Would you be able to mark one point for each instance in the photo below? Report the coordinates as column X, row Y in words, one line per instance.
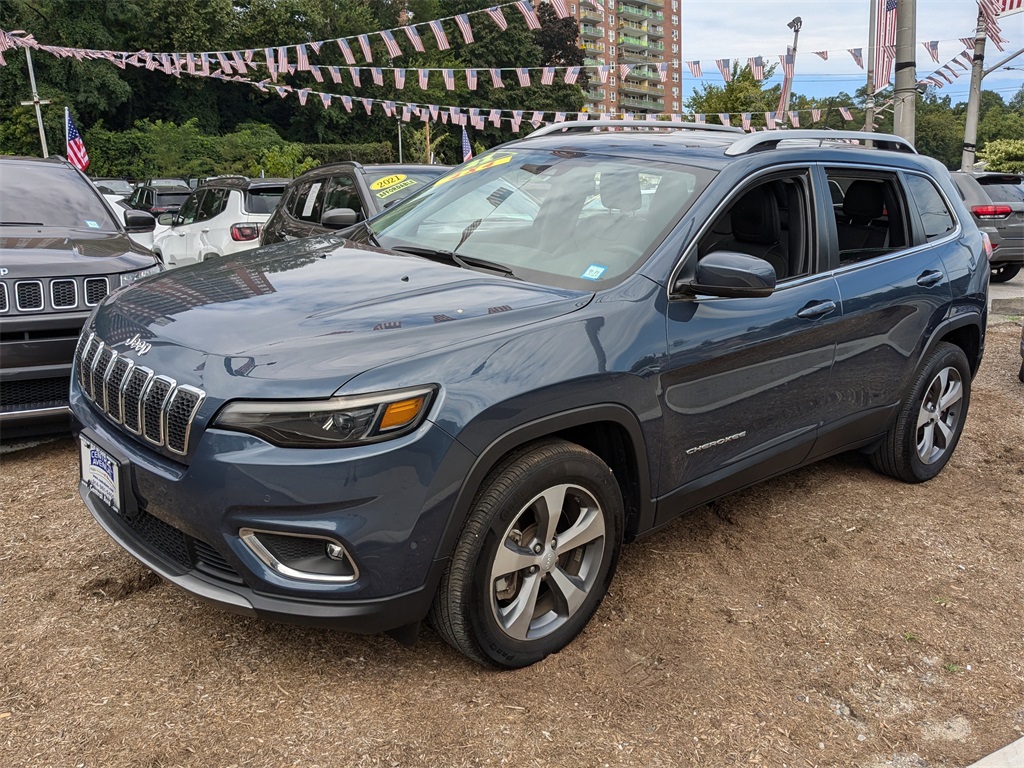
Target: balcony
column 642, row 89
column 647, row 56
column 651, row 3
column 592, row 14
column 594, row 47
column 644, row 105
column 646, row 73
column 653, row 30
column 592, row 33
column 595, row 95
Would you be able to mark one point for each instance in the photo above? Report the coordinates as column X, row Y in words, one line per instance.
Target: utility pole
column 35, row 96
column 974, row 97
column 905, row 93
column 795, row 25
column 869, row 104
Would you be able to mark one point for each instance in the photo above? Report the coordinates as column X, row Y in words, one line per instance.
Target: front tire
column 931, row 419
column 535, row 558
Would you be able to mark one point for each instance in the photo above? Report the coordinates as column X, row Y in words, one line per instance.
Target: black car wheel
column 535, row 557
column 930, row 420
column 1005, row 271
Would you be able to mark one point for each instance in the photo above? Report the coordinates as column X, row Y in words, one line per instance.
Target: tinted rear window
column 1003, row 189
column 263, row 200
column 50, row 196
column 171, row 198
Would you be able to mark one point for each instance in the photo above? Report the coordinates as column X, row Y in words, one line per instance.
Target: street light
column 795, row 25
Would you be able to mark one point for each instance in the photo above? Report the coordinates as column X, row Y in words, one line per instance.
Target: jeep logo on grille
column 140, row 346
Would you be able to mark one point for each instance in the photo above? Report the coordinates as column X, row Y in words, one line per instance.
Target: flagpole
column 869, row 105
column 35, row 95
column 66, row 137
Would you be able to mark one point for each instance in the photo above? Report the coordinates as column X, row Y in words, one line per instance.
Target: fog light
column 335, row 551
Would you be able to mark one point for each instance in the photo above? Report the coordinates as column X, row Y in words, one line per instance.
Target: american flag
column 378, row 75
column 698, row 118
column 663, row 71
column 788, row 61
column 823, row 55
column 326, row 99
column 845, row 112
column 77, row 155
column 529, row 15
column 571, row 74
column 467, row 151
column 524, row 76
column 498, row 18
column 603, row 71
column 389, row 42
column 769, row 118
column 462, row 21
column 364, row 43
column 962, row 65
column 315, row 45
column 317, row 74
column 496, row 78
column 303, row 94
column 346, row 51
column 932, row 46
column 440, row 36
column 560, row 9
column 225, row 65
column 399, row 78
column 725, row 67
column 271, row 63
column 756, row 67
column 1009, row 6
column 794, row 118
column 548, row 76
column 424, row 77
column 303, row 58
column 335, row 73
column 354, row 72
column 695, row 68
column 471, row 79
column 815, row 115
column 858, row 56
column 885, row 35
column 414, row 37
column 625, row 69
column 745, row 119
column 495, row 117
column 449, row 78
column 724, row 118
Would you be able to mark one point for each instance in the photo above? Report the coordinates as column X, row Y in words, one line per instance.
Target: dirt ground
column 832, row 617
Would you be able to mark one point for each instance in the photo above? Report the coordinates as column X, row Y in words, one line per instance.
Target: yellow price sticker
column 478, row 164
column 387, row 181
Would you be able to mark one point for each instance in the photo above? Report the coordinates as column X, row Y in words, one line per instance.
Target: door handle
column 180, row 234
column 930, row 278
column 204, row 231
column 817, row 309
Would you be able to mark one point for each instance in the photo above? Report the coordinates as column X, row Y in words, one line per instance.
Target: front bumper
column 387, row 504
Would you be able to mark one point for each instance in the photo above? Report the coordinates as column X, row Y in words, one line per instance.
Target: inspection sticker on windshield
column 92, row 224
column 389, row 185
column 594, row 272
column 101, row 473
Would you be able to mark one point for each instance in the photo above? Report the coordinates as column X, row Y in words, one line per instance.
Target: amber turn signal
column 401, row 413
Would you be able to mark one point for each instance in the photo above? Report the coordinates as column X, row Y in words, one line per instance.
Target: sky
column 744, row 28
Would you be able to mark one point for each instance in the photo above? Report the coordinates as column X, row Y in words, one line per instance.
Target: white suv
column 220, row 218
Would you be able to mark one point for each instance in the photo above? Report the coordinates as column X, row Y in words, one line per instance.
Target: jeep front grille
column 156, row 408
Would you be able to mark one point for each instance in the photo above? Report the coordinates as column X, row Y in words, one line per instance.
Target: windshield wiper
column 456, row 258
column 21, row 224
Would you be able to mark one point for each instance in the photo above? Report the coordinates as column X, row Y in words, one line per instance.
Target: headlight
column 339, row 421
column 127, row 278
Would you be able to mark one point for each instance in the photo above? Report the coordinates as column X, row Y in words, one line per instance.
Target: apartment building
column 641, row 34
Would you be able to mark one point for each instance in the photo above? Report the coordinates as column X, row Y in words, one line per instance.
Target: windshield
column 114, row 186
column 389, row 188
column 43, row 195
column 569, row 219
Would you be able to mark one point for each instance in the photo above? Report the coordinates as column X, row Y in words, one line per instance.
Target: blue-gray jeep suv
column 461, row 411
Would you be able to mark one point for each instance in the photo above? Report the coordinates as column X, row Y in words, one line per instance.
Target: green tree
column 1005, row 155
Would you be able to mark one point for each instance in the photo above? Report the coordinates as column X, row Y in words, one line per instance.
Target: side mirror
column 338, row 218
column 731, row 275
column 139, row 221
column 165, row 219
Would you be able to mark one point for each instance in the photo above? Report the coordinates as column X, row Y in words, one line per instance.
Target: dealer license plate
column 101, row 473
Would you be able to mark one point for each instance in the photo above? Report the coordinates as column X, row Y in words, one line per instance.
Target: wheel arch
column 610, row 431
column 965, row 333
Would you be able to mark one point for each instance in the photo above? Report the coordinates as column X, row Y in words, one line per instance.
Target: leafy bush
column 1004, row 155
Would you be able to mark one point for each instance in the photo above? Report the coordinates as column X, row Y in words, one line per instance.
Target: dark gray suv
column 996, row 201
column 461, row 412
column 62, row 250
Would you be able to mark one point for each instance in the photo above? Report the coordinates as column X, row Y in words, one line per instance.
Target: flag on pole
column 932, row 46
column 885, row 36
column 77, row 155
column 467, row 151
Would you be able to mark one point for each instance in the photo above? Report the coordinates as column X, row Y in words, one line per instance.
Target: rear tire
column 523, row 582
column 1003, row 272
column 931, row 418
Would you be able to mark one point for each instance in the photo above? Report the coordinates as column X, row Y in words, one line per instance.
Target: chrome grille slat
column 154, row 407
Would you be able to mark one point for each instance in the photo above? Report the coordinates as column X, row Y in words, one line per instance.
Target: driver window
column 341, row 193
column 187, row 214
column 771, row 221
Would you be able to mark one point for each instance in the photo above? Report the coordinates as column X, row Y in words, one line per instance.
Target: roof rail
column 756, row 142
column 585, row 126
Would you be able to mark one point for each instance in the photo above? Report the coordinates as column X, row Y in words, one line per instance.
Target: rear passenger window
column 935, row 215
column 870, row 215
column 305, row 205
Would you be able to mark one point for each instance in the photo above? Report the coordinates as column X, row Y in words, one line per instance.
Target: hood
column 312, row 314
column 38, row 252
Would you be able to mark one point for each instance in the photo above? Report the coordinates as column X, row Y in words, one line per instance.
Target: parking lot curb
column 1010, row 756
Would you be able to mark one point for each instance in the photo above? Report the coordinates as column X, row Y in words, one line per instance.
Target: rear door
column 886, row 244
